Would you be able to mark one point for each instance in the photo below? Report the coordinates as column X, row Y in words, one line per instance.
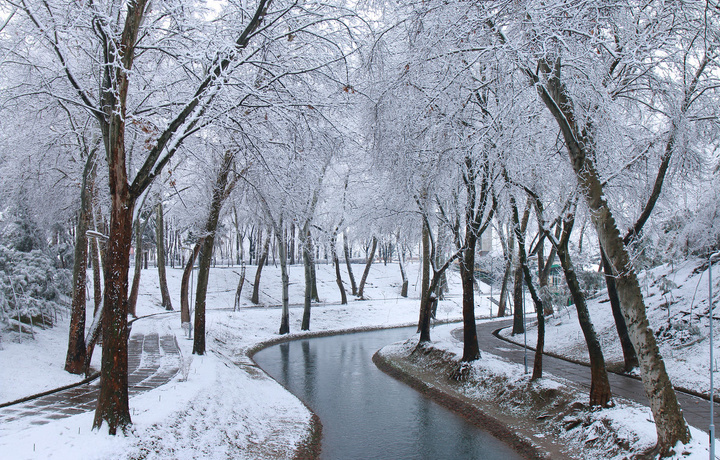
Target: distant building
column 485, row 243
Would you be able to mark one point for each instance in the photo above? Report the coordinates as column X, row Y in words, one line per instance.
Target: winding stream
column 366, row 414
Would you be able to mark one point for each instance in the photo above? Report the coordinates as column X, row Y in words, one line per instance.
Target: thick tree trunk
column 261, row 263
column 471, row 350
column 185, row 284
column 369, row 262
column 346, row 251
column 160, row 237
column 670, row 424
column 424, row 282
column 112, row 406
column 518, row 326
column 519, row 228
column 629, row 356
column 75, row 358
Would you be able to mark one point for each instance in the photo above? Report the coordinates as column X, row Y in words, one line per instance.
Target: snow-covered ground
column 676, row 297
column 227, row 408
column 613, row 433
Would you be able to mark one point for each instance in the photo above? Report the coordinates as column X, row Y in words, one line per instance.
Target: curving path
column 695, row 409
column 148, row 368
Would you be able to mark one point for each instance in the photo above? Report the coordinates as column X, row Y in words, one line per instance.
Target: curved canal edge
column 406, row 372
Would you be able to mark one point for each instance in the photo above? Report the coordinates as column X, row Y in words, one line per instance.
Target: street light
column 712, row 387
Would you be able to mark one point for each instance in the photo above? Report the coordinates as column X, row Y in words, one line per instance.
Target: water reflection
column 367, row 414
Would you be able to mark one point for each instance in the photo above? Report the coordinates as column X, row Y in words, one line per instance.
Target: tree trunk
column 522, row 260
column 292, row 243
column 369, row 262
column 507, row 273
column 220, row 192
column 346, row 251
column 238, row 291
column 185, row 284
column 160, row 237
column 76, row 351
column 471, row 351
column 401, row 262
column 285, row 280
column 308, row 262
column 518, row 326
column 519, row 228
column 97, row 246
column 261, row 262
column 132, row 300
column 629, row 356
column 336, row 262
column 313, row 274
column 600, row 394
column 112, row 406
column 670, row 424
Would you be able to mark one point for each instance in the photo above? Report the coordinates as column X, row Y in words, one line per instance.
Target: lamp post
column 712, row 386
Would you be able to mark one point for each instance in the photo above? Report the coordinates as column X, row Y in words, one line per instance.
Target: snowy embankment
column 220, row 405
column 550, row 413
column 676, row 297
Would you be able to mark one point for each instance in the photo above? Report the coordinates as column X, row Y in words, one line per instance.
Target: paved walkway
column 695, row 409
column 148, row 368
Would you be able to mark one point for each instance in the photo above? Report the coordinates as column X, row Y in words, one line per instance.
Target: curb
column 688, row 391
column 88, row 379
column 470, row 412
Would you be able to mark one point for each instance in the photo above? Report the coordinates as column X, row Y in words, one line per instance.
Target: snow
column 601, row 431
column 682, row 329
column 227, row 407
column 222, row 406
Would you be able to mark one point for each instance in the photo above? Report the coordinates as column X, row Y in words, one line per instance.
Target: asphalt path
column 152, row 362
column 695, row 409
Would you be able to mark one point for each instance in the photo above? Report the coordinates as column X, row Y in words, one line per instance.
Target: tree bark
column 670, row 424
column 600, row 394
column 220, row 192
column 75, row 358
column 308, row 263
column 238, row 291
column 527, row 276
column 261, row 262
column 160, row 237
column 132, row 300
column 185, row 284
column 346, row 250
column 401, row 262
column 336, row 262
column 285, row 280
column 518, row 292
column 424, row 320
column 369, row 262
column 507, row 274
column 629, row 356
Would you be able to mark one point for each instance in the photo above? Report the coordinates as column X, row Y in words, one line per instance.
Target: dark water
column 366, row 414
